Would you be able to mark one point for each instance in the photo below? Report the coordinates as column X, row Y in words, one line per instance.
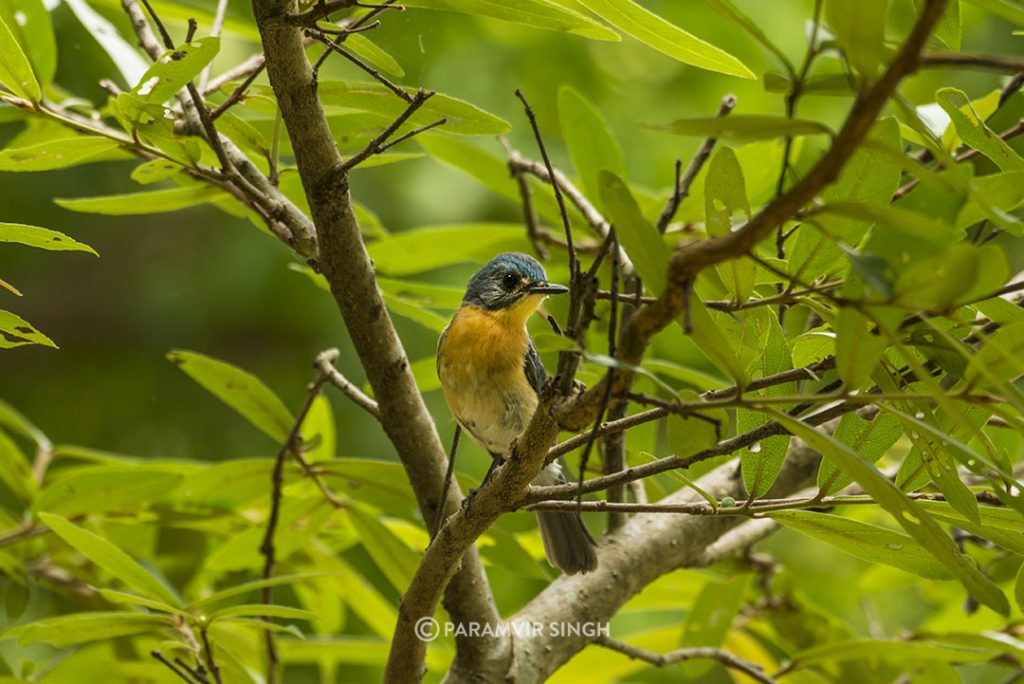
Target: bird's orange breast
column 480, row 365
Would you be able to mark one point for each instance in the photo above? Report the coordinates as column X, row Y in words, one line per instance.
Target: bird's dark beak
column 548, row 289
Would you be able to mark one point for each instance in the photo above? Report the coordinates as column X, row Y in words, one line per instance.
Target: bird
column 491, row 376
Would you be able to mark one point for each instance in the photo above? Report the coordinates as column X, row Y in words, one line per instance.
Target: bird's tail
column 567, row 542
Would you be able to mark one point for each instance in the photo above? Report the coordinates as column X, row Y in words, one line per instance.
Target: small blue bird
column 491, row 375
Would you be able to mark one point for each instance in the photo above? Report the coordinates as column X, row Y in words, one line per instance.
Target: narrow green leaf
column 536, row 13
column 30, row 23
column 395, row 559
column 262, row 610
column 430, row 247
column 461, row 117
column 655, row 32
column 140, row 203
column 175, row 68
column 240, row 390
column 745, row 127
column 869, row 438
column 105, row 488
column 591, row 143
column 906, row 512
column 636, row 234
column 1018, row 588
column 728, row 10
column 973, row 131
column 43, row 238
column 713, row 342
column 1006, row 9
column 374, row 54
column 56, row 154
column 156, row 170
column 938, row 280
column 80, row 628
column 908, row 653
column 858, row 348
column 127, row 598
column 725, row 196
column 1001, row 356
column 250, row 587
column 15, row 331
column 15, row 70
column 710, row 619
column 110, row 558
column 860, row 29
column 910, row 223
column 872, row 543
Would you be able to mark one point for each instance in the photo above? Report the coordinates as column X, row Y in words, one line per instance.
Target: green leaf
column 710, row 619
column 1018, row 588
column 745, row 127
column 105, row 488
column 15, row 70
column 250, row 587
column 261, row 610
column 973, row 131
column 869, row 438
column 949, row 29
column 16, row 421
column 761, row 464
column 536, row 13
column 381, row 484
column 713, row 342
column 15, row 470
column 56, row 154
column 860, row 29
column 591, row 144
column 424, row 249
column 110, row 558
column 15, row 331
column 240, row 390
column 461, row 117
column 140, row 203
column 175, row 68
column 30, row 23
column 910, row 653
column 124, row 55
column 655, row 32
column 859, row 347
column 938, row 280
column 909, row 223
column 871, row 543
column 395, row 559
column 689, row 434
column 907, row 513
column 80, row 628
column 728, row 10
column 374, row 54
column 129, row 599
column 42, row 238
column 1010, row 11
column 414, row 311
column 636, row 234
column 725, row 195
column 1001, row 356
column 156, row 170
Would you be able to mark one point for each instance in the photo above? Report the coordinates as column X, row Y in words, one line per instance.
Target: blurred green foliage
column 174, row 520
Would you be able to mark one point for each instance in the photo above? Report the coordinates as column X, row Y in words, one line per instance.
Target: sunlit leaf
column 745, row 127
column 535, row 13
column 15, row 70
column 655, row 32
column 140, row 203
column 640, row 239
column 80, row 628
column 15, row 331
column 240, row 390
column 43, row 238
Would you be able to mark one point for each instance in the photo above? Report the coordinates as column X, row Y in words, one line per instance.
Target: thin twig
column 174, row 668
column 350, row 27
column 683, row 654
column 684, row 181
column 237, row 95
column 324, row 362
column 449, row 472
column 379, row 77
column 573, row 259
column 376, row 145
column 211, row 663
column 290, row 446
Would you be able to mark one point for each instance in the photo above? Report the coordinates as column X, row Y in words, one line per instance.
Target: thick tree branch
column 693, row 257
column 646, row 547
column 349, row 271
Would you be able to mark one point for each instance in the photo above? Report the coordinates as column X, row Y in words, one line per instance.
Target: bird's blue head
column 509, row 280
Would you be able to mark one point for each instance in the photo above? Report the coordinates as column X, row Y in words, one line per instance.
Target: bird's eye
column 509, row 281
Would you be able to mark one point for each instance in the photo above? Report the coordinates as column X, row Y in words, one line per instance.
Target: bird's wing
column 534, row 369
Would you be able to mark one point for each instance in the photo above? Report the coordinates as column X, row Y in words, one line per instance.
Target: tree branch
column 693, row 257
column 684, row 654
column 350, row 274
